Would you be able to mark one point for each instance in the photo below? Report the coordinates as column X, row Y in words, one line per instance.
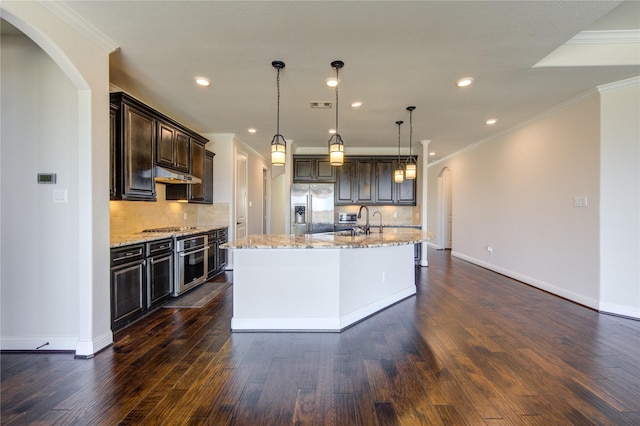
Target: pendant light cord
column 278, row 104
column 337, row 84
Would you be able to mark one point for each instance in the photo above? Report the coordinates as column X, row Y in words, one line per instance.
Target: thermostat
column 46, row 178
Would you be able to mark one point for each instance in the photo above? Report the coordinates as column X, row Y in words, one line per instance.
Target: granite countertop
column 331, row 240
column 143, row 237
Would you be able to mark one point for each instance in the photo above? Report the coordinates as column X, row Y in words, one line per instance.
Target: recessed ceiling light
column 432, row 153
column 357, row 104
column 202, row 81
column 464, row 82
column 251, row 130
column 332, row 131
column 491, row 121
column 332, row 82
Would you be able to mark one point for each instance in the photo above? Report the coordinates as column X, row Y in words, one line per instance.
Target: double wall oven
column 191, row 258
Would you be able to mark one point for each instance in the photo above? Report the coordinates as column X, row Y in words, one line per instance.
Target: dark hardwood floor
column 473, row 347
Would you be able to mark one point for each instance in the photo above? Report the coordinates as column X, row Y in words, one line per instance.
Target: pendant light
column 411, row 167
column 278, row 144
column 336, row 146
column 398, row 175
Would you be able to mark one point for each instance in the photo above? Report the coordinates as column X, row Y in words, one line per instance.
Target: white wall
column 54, row 116
column 515, row 193
column 620, row 198
column 38, row 236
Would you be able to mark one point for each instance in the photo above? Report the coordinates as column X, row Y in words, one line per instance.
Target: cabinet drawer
column 125, row 254
column 161, row 246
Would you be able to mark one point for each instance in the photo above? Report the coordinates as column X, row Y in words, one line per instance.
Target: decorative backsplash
column 134, row 216
column 391, row 215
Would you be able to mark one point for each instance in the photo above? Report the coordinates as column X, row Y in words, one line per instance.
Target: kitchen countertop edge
column 330, row 240
column 145, row 237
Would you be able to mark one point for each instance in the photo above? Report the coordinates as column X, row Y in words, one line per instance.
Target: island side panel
column 374, row 278
column 286, row 289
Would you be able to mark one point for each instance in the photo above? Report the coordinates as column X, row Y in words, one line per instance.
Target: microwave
column 347, row 218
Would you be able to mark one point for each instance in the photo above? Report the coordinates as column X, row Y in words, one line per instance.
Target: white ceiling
column 396, row 54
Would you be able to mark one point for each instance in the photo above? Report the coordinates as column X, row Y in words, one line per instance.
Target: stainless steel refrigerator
column 311, row 208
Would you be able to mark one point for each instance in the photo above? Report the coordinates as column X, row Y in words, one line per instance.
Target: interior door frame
column 444, row 209
column 238, row 154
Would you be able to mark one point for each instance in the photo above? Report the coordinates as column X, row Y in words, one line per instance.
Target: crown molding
column 72, row 18
column 606, row 37
column 619, row 85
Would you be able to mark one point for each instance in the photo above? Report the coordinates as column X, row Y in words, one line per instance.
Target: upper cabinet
column 369, row 180
column 142, row 138
column 201, row 167
column 172, row 148
column 313, row 168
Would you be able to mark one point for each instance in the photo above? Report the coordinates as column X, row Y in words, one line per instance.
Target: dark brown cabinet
column 172, row 148
column 345, row 190
column 201, row 167
column 133, row 135
column 370, row 180
column 128, row 274
column 307, row 168
column 142, row 138
column 113, row 183
column 207, row 179
column 217, row 255
column 196, row 191
column 159, row 271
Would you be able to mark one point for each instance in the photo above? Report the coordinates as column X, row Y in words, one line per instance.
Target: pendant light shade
column 336, row 146
column 411, row 169
column 398, row 175
column 278, row 144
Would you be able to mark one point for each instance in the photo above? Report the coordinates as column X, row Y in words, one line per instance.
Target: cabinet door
column 182, row 148
column 406, row 192
column 385, row 185
column 222, row 253
column 345, row 185
column 302, row 169
column 365, row 181
column 196, row 191
column 127, row 292
column 165, row 150
column 207, row 180
column 113, row 162
column 324, row 171
column 139, row 143
column 160, row 278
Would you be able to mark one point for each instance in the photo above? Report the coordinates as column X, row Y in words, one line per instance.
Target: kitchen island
column 320, row 282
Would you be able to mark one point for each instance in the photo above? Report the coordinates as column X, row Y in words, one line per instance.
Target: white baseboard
column 558, row 291
column 621, row 310
column 57, row 343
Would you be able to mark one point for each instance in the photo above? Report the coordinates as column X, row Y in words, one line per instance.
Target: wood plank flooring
column 471, row 348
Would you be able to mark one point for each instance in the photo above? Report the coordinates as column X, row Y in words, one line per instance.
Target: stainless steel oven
column 191, row 262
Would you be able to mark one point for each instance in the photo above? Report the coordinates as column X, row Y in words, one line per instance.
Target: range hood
column 169, row 176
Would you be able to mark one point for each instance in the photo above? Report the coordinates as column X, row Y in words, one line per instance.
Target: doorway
column 445, row 213
column 241, row 194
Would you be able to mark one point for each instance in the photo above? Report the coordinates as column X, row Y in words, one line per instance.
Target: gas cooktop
column 171, row 229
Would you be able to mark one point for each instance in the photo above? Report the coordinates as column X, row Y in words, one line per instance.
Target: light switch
column 580, row 201
column 59, row 195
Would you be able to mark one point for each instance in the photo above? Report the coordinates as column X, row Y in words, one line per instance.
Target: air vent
column 321, row 104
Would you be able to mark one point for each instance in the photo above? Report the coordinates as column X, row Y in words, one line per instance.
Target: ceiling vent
column 321, row 104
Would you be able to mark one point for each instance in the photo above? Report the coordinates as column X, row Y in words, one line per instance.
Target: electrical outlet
column 395, row 214
column 490, row 249
column 384, row 276
column 185, row 216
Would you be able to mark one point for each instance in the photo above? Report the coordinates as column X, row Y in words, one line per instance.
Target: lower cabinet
column 217, row 255
column 159, row 271
column 128, row 276
column 141, row 278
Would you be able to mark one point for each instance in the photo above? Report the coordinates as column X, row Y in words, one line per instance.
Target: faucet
column 367, row 230
column 380, row 214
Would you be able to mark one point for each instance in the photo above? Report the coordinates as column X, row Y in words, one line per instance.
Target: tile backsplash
column 391, row 215
column 134, row 216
